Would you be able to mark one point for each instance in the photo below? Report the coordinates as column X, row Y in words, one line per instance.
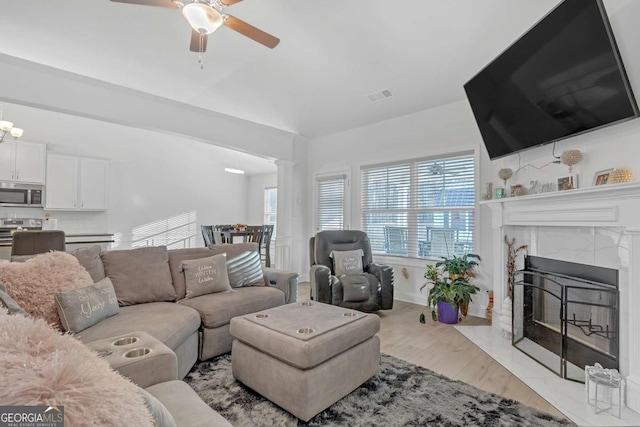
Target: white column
column 499, row 263
column 633, row 379
column 284, row 230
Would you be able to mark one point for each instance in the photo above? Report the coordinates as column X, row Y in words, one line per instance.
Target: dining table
column 229, row 236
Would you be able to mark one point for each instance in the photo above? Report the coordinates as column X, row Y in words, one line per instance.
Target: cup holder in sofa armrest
column 126, row 340
column 137, row 352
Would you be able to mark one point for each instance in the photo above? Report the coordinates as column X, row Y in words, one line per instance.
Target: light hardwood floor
column 444, row 350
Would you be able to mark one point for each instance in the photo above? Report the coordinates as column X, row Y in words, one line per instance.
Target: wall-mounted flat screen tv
column 562, row 78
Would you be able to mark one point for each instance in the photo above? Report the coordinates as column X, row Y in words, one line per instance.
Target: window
column 330, row 206
column 270, row 206
column 420, row 208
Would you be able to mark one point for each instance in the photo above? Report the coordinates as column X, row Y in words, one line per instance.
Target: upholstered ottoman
column 305, row 356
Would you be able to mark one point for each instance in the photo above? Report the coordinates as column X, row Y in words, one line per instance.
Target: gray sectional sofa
column 150, row 287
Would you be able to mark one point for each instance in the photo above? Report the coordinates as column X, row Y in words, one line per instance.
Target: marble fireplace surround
column 598, row 226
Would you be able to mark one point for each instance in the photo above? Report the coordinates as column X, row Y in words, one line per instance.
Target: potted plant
column 465, row 267
column 447, row 294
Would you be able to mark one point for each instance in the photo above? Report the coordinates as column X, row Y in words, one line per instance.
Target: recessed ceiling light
column 238, row 171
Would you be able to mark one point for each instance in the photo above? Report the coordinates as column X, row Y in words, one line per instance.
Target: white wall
column 427, row 133
column 452, row 128
column 255, row 196
column 612, row 147
column 158, row 182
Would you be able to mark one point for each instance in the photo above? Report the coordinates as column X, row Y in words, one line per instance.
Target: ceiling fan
column 206, row 16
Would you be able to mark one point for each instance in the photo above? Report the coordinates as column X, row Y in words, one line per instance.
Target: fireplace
column 594, row 226
column 565, row 315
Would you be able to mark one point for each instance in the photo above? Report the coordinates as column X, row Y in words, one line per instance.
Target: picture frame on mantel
column 568, row 182
column 602, row 177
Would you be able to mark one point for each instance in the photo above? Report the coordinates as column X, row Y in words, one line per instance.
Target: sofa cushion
column 21, row 258
column 140, row 275
column 185, row 405
column 168, row 322
column 243, row 263
column 32, row 283
column 176, row 256
column 161, row 415
column 89, row 258
column 39, row 366
column 218, row 309
column 206, row 275
column 80, row 308
column 347, row 262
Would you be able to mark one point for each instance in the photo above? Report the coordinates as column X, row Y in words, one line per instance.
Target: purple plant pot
column 447, row 314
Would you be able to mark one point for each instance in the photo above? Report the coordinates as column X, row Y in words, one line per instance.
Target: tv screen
column 563, row 77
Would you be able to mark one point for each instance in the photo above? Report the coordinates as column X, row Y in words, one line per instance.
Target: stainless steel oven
column 21, row 195
column 9, row 225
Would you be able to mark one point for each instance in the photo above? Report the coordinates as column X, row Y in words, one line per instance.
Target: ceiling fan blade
column 159, row 3
column 229, row 2
column 250, row 31
column 195, row 42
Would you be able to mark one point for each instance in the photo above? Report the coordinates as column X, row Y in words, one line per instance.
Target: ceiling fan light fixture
column 16, row 132
column 202, row 18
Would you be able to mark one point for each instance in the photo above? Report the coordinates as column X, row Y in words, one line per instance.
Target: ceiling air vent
column 379, row 95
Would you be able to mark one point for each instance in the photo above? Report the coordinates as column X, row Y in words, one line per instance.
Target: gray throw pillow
column 347, row 262
column 140, row 275
column 206, row 275
column 83, row 307
column 355, row 288
column 161, row 415
column 245, row 269
column 89, row 258
column 9, row 303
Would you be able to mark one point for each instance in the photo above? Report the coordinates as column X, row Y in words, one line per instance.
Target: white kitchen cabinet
column 75, row 183
column 22, row 161
column 93, row 183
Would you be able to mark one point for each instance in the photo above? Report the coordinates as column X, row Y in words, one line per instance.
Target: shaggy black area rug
column 401, row 394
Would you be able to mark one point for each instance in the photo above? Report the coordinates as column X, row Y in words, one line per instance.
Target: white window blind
column 330, row 192
column 420, row 208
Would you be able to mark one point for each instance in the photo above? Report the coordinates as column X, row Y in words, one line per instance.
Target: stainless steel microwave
column 21, row 195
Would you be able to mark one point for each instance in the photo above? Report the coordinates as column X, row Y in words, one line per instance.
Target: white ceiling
column 332, row 54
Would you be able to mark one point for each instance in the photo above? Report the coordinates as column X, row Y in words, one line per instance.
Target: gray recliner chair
column 343, row 273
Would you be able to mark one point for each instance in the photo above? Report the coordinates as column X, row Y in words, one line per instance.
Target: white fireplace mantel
column 609, row 207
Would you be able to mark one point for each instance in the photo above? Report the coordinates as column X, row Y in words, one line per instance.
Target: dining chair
column 254, row 233
column 207, row 234
column 222, row 227
column 37, row 242
column 265, row 244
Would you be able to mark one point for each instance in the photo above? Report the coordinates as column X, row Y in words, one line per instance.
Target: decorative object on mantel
column 602, row 177
column 620, row 175
column 535, row 187
column 504, row 175
column 489, row 194
column 518, row 190
column 600, row 385
column 568, row 182
column 571, row 158
column 7, row 128
column 499, row 193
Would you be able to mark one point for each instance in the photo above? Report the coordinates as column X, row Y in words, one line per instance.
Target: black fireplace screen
column 565, row 315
